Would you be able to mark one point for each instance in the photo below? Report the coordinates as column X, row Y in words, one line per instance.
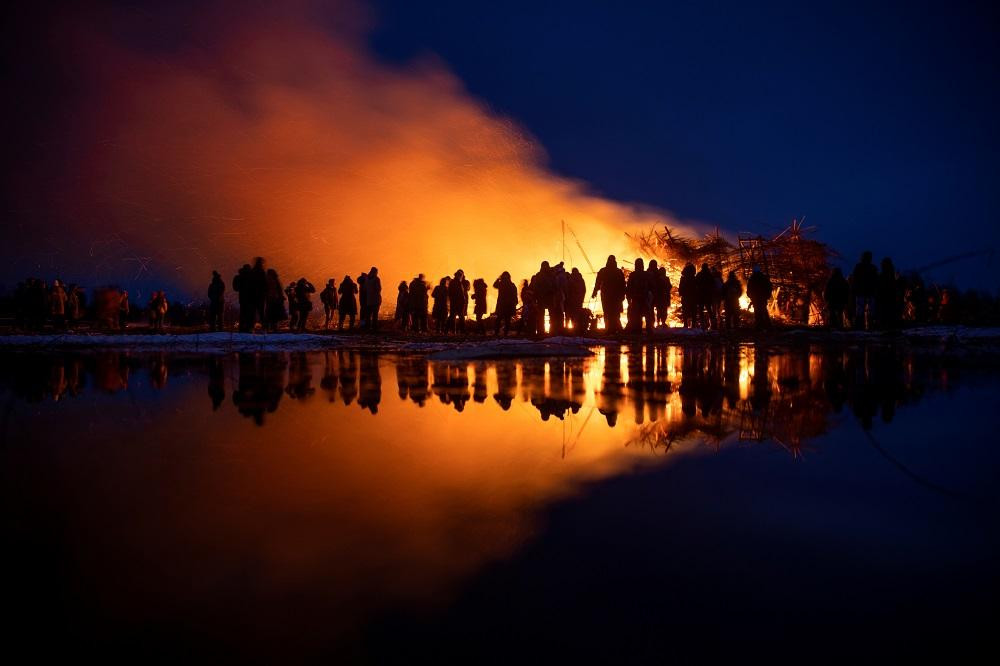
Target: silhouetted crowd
column 553, row 300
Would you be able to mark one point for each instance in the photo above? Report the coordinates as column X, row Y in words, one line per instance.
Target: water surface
column 647, row 503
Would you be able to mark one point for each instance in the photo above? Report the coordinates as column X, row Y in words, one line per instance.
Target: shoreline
column 472, row 346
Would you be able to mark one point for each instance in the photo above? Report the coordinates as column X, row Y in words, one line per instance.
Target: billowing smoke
column 201, row 141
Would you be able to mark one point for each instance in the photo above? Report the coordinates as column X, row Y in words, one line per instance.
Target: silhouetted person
column 529, row 310
column 543, row 290
column 57, row 304
column 123, row 310
column 479, row 308
column 688, row 289
column 328, row 297
column 402, row 314
column 706, row 297
column 439, row 312
column 348, row 305
column 274, row 301
column 303, row 301
column 157, row 311
column 759, row 290
column 576, row 294
column 610, row 283
column 662, row 301
column 258, row 278
column 373, row 289
column 836, row 295
column 458, row 299
column 888, row 296
column 418, row 302
column 293, row 308
column 216, row 302
column 864, row 283
column 732, row 290
column 636, row 292
column 506, row 302
column 243, row 286
column 363, row 300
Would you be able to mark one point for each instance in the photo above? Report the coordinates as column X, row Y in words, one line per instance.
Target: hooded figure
column 610, row 283
column 506, row 302
column 706, row 297
column 348, row 305
column 243, row 286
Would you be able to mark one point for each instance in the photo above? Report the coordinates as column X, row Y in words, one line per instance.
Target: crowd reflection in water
column 785, row 395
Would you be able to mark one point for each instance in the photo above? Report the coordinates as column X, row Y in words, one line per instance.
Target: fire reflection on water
column 262, row 463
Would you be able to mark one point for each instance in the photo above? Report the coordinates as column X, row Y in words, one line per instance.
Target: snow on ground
column 461, row 349
column 201, row 342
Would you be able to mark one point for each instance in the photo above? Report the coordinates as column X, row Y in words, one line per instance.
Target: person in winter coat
column 479, row 309
column 348, row 305
column 157, row 311
column 303, row 301
column 506, row 302
column 417, row 302
column 363, row 299
column 402, row 314
column 243, row 286
column 688, row 289
column 888, row 296
column 576, row 294
column 837, row 294
column 759, row 290
column 439, row 312
column 57, row 304
column 328, row 297
column 216, row 301
column 373, row 298
column 274, row 301
column 706, row 297
column 663, row 297
column 610, row 283
column 864, row 284
column 637, row 293
column 733, row 289
column 458, row 302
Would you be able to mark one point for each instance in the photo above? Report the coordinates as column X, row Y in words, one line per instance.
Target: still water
column 641, row 504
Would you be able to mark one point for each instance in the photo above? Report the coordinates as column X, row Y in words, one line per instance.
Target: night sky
column 875, row 121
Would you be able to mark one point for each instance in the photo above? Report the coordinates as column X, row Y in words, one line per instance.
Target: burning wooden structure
column 799, row 267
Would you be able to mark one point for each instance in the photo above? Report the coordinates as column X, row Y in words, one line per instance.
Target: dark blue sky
column 877, row 121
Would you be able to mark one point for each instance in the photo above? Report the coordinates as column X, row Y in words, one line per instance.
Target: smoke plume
column 197, row 140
